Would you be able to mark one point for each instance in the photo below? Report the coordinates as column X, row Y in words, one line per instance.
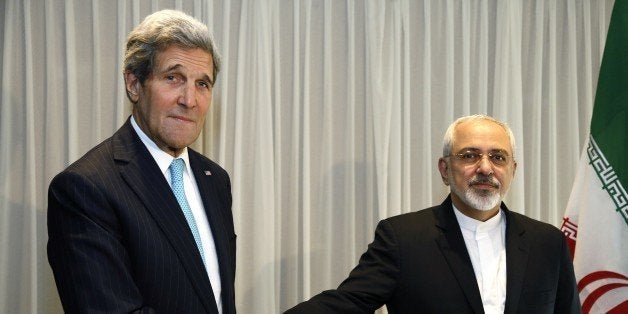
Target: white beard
column 479, row 200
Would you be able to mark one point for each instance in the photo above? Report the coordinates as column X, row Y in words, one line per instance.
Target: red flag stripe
column 597, row 276
column 597, row 293
column 620, row 309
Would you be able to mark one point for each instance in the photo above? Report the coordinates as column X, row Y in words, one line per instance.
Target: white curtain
column 328, row 115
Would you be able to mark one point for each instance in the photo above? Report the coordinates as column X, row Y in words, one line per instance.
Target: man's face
column 170, row 106
column 478, row 186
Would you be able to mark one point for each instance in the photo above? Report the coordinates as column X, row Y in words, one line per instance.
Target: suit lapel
column 212, row 202
column 516, row 260
column 141, row 173
column 454, row 250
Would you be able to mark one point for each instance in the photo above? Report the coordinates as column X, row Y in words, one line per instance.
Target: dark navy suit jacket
column 418, row 263
column 119, row 242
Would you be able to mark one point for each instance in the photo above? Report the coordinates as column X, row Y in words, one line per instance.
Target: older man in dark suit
column 469, row 254
column 142, row 223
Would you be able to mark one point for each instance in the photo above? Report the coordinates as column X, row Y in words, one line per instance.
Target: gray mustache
column 479, row 179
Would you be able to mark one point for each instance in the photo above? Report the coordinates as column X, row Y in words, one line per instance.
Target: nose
column 188, row 95
column 485, row 166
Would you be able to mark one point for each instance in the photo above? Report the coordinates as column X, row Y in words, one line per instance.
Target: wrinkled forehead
column 482, row 135
column 175, row 56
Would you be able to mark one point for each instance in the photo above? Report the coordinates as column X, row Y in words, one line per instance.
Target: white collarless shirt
column 193, row 196
column 486, row 244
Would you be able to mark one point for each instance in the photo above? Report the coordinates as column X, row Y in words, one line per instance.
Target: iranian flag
column 596, row 218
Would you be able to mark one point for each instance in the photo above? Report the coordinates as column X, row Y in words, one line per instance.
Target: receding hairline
column 448, row 139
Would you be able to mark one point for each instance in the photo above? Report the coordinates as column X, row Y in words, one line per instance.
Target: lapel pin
column 208, row 173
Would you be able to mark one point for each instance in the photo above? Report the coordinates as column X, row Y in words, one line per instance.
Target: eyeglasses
column 471, row 158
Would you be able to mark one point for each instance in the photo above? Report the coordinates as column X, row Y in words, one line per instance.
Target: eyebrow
column 494, row 150
column 178, row 65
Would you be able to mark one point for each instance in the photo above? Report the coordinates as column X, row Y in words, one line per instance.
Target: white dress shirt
column 193, row 196
column 485, row 241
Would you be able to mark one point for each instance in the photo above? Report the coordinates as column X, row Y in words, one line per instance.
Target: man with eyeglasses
column 469, row 254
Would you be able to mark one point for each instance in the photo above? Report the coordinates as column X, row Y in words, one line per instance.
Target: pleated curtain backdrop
column 328, row 114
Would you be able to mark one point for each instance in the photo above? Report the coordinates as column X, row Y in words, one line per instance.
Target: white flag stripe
column 598, row 230
column 610, row 300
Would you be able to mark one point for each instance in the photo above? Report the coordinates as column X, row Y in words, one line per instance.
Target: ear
column 133, row 86
column 443, row 169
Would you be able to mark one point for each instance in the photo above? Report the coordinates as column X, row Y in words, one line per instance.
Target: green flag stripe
column 609, row 124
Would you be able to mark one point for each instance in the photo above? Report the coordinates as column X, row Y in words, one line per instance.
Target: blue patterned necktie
column 176, row 175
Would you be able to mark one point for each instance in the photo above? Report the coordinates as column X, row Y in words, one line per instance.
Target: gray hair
column 161, row 30
column 448, row 140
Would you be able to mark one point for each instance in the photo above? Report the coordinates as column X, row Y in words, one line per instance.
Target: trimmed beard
column 480, row 200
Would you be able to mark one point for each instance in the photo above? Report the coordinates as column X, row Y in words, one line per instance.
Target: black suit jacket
column 418, row 263
column 119, row 242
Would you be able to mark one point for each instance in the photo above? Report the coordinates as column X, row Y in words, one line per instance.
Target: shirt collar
column 162, row 158
column 474, row 225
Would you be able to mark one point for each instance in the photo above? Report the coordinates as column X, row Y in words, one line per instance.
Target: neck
column 174, row 152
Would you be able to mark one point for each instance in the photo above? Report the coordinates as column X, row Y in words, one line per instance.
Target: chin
column 482, row 202
column 181, row 141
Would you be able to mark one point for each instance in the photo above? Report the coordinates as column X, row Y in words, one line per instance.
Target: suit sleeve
column 85, row 250
column 369, row 285
column 567, row 300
